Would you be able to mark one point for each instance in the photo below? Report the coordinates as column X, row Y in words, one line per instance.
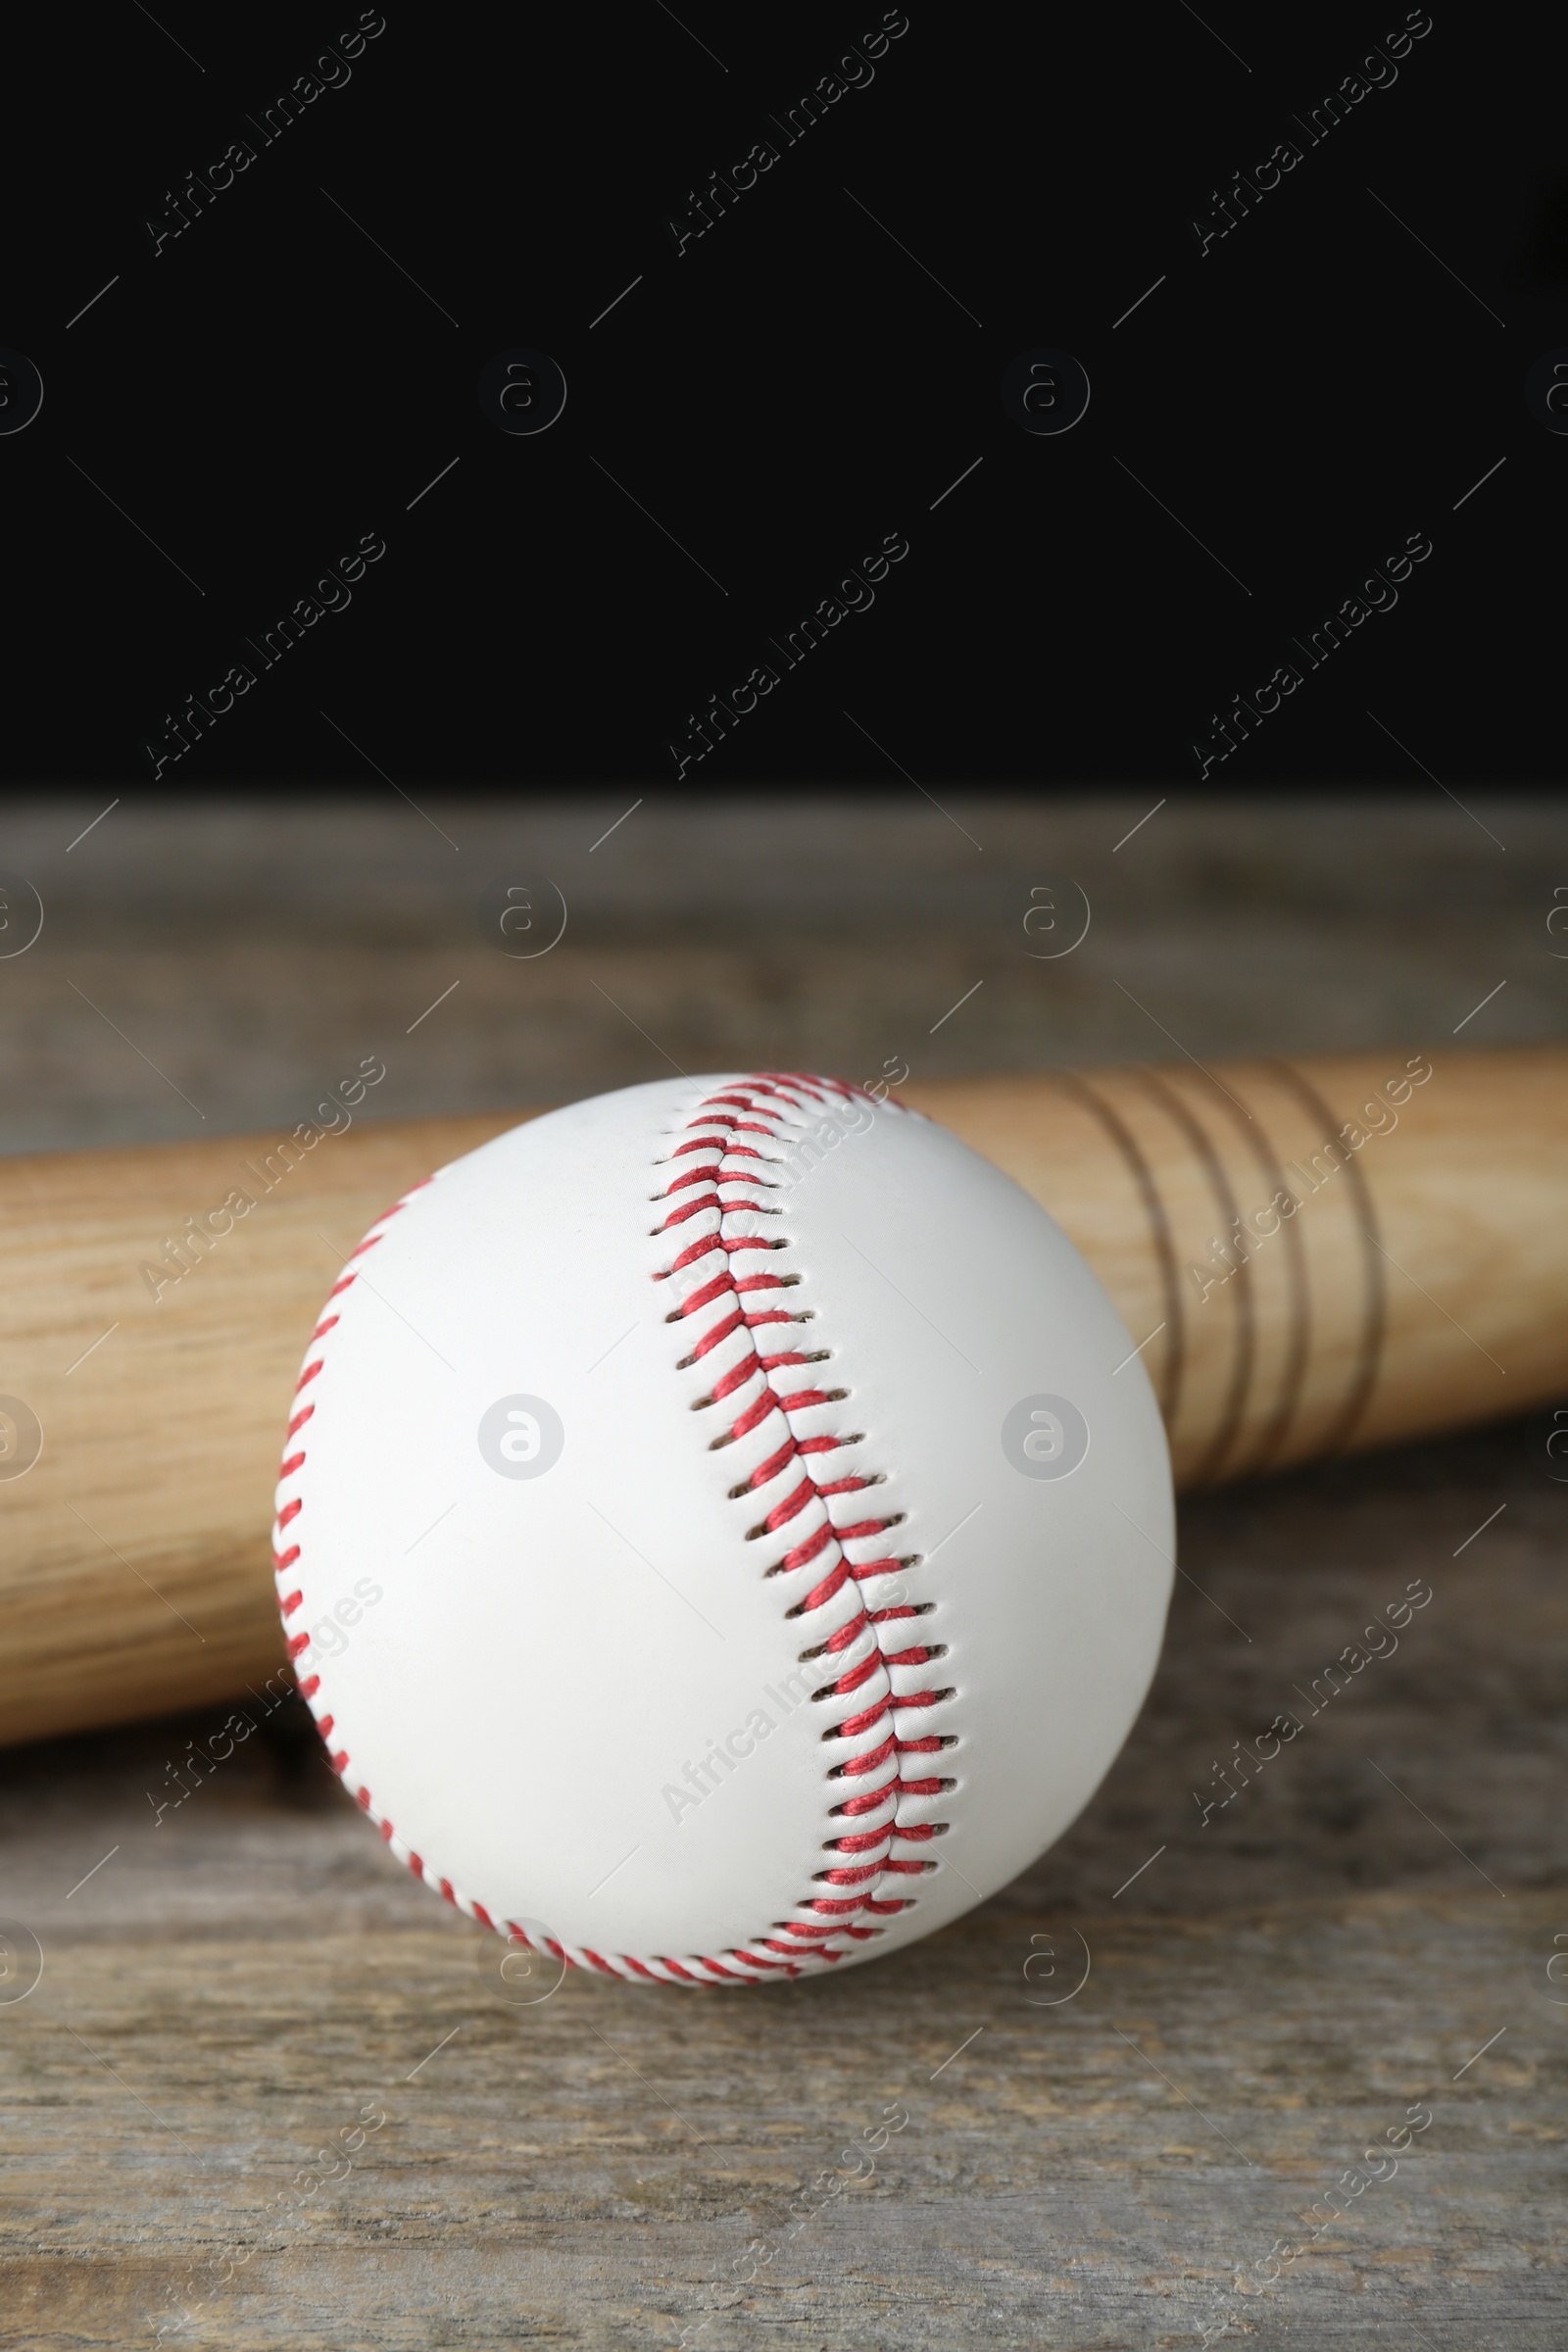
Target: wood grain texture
column 1265, row 1999
column 253, row 954
column 245, row 1974
column 1421, row 1283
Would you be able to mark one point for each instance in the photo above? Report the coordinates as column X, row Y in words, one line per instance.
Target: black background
column 784, row 393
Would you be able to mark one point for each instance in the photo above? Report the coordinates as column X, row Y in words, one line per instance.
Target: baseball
column 724, row 1530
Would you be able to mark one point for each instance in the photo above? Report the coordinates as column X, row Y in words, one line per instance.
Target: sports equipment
column 158, row 1298
column 725, row 1529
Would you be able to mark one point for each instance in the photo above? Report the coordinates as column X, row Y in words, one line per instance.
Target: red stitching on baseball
column 794, row 1092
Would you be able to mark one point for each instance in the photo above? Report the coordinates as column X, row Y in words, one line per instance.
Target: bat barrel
column 1311, row 1256
column 1315, row 1256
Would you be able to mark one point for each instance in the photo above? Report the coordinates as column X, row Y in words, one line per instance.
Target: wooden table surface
column 1360, row 1938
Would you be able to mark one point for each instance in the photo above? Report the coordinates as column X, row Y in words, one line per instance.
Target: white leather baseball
column 651, row 1554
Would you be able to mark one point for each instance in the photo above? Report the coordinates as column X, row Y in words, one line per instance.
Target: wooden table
column 1363, row 1933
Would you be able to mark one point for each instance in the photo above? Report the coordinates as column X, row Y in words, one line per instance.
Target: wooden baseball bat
column 1311, row 1256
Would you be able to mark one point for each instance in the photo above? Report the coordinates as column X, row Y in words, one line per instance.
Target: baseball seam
column 870, row 1736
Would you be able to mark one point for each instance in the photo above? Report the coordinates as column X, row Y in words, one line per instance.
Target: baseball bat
column 1310, row 1256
